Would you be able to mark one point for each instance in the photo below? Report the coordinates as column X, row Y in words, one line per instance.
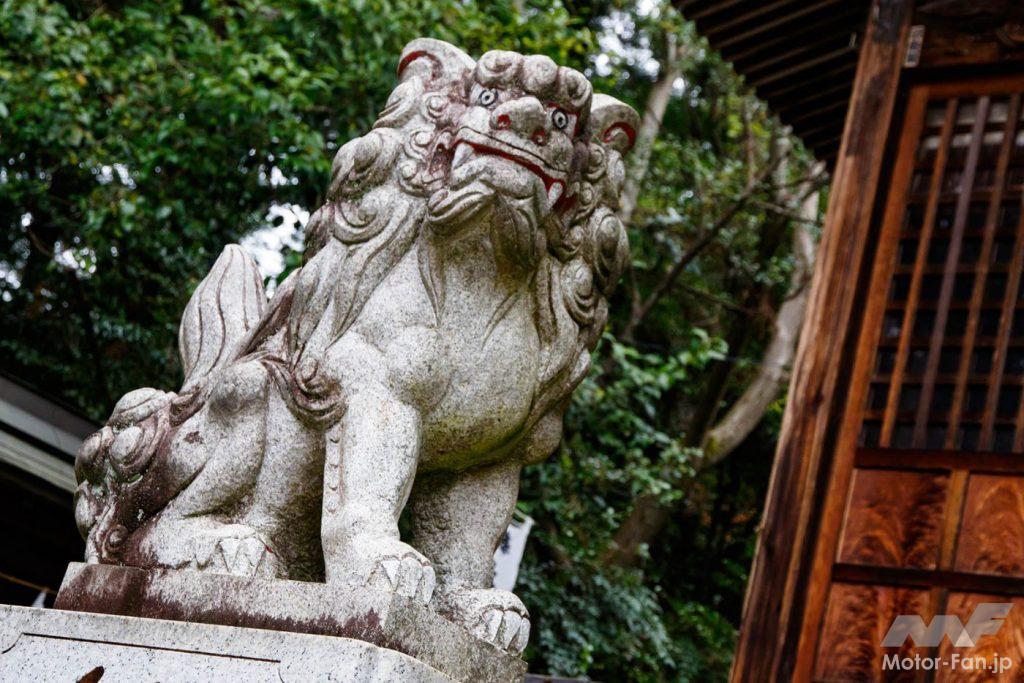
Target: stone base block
column 384, row 620
column 56, row 645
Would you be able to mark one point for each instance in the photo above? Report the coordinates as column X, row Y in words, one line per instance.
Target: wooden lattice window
column 950, row 359
column 934, row 513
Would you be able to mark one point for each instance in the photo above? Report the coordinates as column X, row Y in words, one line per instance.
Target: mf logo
column 987, row 619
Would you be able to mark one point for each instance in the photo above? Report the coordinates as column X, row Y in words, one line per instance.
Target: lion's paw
column 388, row 565
column 233, row 549
column 495, row 616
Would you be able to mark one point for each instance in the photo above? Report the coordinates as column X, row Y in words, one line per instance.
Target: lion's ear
column 613, row 123
column 435, row 61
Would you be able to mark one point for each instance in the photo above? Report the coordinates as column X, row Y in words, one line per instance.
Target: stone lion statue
column 452, row 288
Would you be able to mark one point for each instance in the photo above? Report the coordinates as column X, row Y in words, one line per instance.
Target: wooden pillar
column 788, row 580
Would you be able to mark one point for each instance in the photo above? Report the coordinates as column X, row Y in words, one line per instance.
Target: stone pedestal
column 57, row 645
column 395, row 628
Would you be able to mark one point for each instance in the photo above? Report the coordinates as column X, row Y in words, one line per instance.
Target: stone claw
column 410, row 576
column 394, row 568
column 428, row 582
column 495, row 616
column 233, row 549
column 509, row 629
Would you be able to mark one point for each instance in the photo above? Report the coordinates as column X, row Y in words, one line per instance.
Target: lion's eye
column 487, row 98
column 560, row 119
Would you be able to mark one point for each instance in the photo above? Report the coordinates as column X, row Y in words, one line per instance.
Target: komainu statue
column 452, row 288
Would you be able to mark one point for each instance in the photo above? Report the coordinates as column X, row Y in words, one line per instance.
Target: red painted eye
column 559, row 119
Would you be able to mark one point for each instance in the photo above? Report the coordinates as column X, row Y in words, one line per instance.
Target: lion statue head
column 515, row 139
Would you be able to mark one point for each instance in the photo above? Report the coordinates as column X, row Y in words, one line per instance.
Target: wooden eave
column 800, row 56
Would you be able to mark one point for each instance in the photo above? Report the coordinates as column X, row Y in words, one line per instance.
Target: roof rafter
column 799, row 55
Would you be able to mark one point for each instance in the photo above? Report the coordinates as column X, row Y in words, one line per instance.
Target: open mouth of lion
column 469, row 141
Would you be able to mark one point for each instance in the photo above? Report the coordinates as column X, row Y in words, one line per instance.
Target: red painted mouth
column 525, row 163
column 555, row 187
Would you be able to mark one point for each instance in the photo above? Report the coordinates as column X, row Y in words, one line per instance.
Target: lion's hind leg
column 208, row 545
column 224, row 444
column 458, row 520
column 229, row 441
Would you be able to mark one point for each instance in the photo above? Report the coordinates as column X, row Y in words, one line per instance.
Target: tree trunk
column 649, row 515
column 650, row 125
column 747, row 411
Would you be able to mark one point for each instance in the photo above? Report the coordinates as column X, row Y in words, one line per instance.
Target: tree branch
column 749, row 408
column 736, row 308
column 638, row 314
column 649, row 514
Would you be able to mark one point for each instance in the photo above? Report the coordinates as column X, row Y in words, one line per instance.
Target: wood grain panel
column 856, row 620
column 1007, row 642
column 992, row 530
column 894, row 519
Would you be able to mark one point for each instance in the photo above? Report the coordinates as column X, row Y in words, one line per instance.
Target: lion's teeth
column 462, row 152
column 554, row 194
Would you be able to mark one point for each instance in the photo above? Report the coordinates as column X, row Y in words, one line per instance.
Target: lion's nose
column 524, row 116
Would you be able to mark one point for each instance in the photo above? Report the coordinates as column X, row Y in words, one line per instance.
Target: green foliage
column 616, row 446
column 635, row 426
column 137, row 137
column 598, row 618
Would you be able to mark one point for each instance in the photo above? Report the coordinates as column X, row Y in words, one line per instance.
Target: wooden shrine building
column 898, row 485
column 38, row 441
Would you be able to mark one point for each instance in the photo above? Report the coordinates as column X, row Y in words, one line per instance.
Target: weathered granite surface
column 53, row 645
column 384, row 619
column 451, row 290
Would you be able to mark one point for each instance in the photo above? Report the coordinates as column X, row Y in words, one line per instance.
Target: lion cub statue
column 452, row 288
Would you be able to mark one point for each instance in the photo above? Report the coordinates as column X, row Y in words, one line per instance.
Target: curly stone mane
column 379, row 202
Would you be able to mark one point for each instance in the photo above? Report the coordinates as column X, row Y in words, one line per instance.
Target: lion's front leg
column 458, row 520
column 371, row 459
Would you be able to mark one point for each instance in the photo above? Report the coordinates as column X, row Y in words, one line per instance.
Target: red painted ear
column 434, row 60
column 613, row 123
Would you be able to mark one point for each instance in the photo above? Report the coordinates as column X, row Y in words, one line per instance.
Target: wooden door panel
column 894, row 518
column 933, row 515
column 1007, row 642
column 857, row 618
column 992, row 527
